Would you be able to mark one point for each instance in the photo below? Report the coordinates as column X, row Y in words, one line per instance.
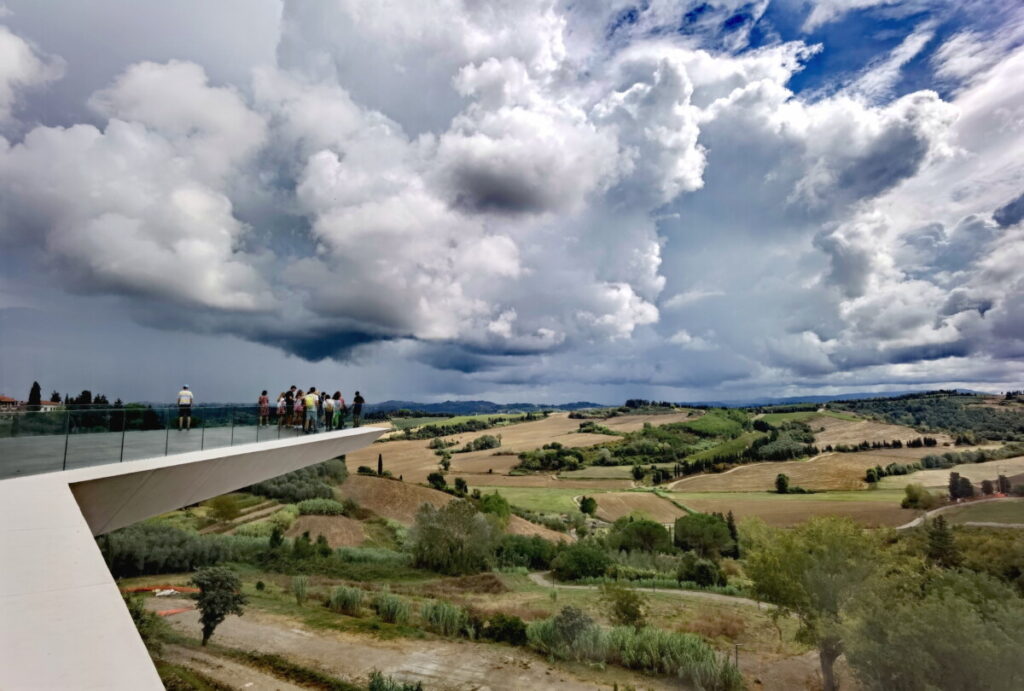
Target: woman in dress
column 264, row 404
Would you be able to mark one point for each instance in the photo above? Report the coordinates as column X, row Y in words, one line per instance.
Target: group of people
column 311, row 410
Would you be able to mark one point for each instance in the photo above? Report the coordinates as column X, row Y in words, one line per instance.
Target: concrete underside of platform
column 63, row 624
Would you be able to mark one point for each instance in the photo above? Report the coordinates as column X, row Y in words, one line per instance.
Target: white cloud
column 21, row 67
column 825, row 11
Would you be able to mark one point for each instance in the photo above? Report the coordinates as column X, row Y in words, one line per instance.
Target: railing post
column 124, row 430
column 67, row 433
column 232, row 441
column 167, row 433
column 202, row 433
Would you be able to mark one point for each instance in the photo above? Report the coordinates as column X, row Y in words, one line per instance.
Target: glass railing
column 46, row 441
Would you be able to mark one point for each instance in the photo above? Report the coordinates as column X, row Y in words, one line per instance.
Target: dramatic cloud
column 523, row 195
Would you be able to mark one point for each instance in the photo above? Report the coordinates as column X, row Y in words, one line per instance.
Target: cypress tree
column 380, row 464
column 954, row 486
column 942, row 549
column 730, row 522
column 35, row 396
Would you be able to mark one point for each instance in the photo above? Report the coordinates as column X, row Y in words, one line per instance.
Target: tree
column 730, row 523
column 496, row 504
column 987, row 487
column 455, row 539
column 461, row 486
column 437, row 481
column 149, row 624
column 937, row 630
column 224, row 508
column 703, row 533
column 813, row 572
column 871, row 477
column 55, row 397
column 629, row 534
column 380, row 464
column 965, row 489
column 1003, row 484
column 581, row 560
column 34, row 396
column 627, row 606
column 638, row 473
column 220, row 594
column 954, row 486
column 782, row 483
column 588, row 505
column 942, row 549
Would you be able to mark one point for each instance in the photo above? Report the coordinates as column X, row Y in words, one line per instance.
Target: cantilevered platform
column 63, row 624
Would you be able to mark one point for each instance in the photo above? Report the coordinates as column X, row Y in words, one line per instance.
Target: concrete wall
column 63, row 624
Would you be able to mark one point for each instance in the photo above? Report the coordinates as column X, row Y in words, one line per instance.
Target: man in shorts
column 310, row 401
column 184, row 408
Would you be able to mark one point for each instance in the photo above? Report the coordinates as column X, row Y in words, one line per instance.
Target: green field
column 465, row 418
column 805, row 415
column 1006, row 511
column 716, row 423
column 544, row 499
column 730, row 447
column 410, row 422
column 879, row 495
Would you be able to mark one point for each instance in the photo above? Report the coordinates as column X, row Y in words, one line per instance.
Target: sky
column 512, row 200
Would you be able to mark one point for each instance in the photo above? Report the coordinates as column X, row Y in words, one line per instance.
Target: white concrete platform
column 63, row 624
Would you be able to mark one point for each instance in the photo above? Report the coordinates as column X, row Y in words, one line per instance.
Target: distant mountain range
column 477, row 407
column 489, row 407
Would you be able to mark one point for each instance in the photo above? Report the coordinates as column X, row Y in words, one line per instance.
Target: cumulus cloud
column 531, row 191
column 22, row 66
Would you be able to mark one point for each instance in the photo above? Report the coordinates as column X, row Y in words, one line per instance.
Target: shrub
column 918, row 498
column 454, row 539
column 588, row 505
column 366, row 470
column 487, row 441
column 391, row 608
column 518, row 550
column 582, row 560
column 627, row 606
column 261, row 586
column 570, row 634
column 321, row 507
column 299, row 588
column 782, row 483
column 306, row 483
column 444, row 618
column 149, row 624
column 505, row 628
column 437, row 481
column 346, row 600
column 683, row 655
column 703, row 572
column 224, row 508
column 495, row 504
column 255, row 529
column 379, row 682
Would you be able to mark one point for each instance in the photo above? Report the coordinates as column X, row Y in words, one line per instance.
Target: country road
column 541, row 579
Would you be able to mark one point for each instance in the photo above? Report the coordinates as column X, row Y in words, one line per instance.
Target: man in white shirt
column 184, row 408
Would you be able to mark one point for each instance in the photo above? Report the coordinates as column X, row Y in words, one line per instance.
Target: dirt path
column 542, row 580
column 439, row 664
column 935, row 512
column 224, row 670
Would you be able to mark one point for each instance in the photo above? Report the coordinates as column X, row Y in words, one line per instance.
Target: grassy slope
column 989, row 512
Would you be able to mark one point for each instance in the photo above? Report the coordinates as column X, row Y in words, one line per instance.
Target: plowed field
column 614, row 505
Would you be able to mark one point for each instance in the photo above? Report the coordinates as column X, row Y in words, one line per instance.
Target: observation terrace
column 68, row 477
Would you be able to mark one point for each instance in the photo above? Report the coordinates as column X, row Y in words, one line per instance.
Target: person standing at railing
column 310, row 401
column 357, row 409
column 283, row 410
column 328, row 412
column 340, row 410
column 185, row 408
column 298, row 410
column 264, row 404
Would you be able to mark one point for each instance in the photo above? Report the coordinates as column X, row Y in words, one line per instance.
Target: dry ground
column 976, row 472
column 400, row 501
column 546, row 481
column 828, row 471
column 439, row 664
column 614, row 505
column 340, row 531
column 414, row 461
column 838, row 431
column 877, row 509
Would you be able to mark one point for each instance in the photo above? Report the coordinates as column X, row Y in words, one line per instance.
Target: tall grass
column 683, row 655
column 321, row 507
column 391, row 608
column 373, row 555
column 300, row 589
column 346, row 600
column 444, row 618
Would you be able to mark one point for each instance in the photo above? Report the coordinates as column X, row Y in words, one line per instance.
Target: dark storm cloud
column 1011, row 213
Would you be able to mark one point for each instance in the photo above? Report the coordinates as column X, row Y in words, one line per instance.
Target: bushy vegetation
column 379, row 682
column 470, row 425
column 944, row 410
column 151, row 548
column 487, row 441
column 573, row 635
column 581, row 560
column 391, row 608
column 591, row 427
column 444, row 618
column 454, row 539
column 346, row 600
column 305, row 483
column 220, row 594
